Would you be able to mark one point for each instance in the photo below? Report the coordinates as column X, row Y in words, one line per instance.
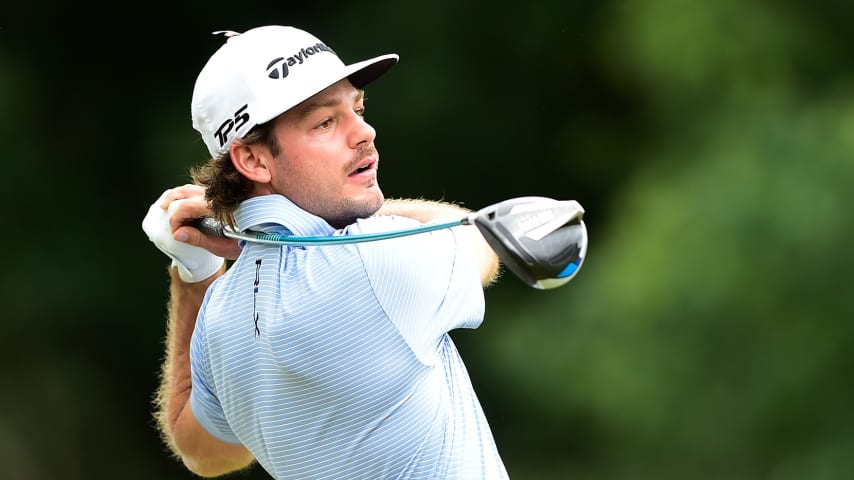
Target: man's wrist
column 199, row 286
column 423, row 210
column 203, row 269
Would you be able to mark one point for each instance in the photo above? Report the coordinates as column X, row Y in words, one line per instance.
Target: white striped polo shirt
column 334, row 362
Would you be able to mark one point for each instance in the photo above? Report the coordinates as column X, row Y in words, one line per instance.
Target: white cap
column 259, row 74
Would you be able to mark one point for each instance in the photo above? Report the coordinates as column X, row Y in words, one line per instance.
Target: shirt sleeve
column 425, row 283
column 203, row 400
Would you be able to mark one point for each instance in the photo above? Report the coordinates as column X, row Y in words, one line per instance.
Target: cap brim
column 367, row 71
column 359, row 74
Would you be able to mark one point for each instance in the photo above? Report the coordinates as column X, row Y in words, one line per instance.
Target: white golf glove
column 194, row 263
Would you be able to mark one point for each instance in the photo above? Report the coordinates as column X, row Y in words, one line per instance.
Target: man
column 319, row 361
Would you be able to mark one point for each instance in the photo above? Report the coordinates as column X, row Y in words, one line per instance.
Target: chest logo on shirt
column 255, row 315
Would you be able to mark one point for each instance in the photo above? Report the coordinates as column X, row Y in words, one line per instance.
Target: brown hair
column 225, row 187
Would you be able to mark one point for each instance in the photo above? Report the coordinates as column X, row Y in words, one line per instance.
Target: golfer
column 318, row 362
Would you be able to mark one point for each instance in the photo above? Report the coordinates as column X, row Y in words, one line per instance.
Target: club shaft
column 210, row 226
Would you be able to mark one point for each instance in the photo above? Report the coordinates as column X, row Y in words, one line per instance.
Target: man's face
column 328, row 162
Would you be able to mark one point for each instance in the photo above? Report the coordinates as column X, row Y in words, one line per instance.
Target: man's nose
column 361, row 132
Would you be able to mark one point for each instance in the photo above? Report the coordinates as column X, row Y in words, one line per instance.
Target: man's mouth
column 364, row 167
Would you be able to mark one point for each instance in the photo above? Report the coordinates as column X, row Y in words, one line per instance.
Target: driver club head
column 543, row 241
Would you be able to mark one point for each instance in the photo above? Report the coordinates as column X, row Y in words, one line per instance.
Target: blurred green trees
column 707, row 336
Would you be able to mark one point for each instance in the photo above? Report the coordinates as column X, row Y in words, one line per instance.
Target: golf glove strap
column 194, row 263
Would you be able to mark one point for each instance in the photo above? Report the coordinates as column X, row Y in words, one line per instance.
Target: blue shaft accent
column 570, row 269
column 276, row 239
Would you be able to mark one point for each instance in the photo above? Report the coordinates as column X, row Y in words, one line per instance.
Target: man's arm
column 201, row 452
column 167, row 225
column 429, row 211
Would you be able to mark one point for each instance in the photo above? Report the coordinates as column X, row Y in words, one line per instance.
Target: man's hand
column 192, row 205
column 168, row 226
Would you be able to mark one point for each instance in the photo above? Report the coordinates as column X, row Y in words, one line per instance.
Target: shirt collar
column 277, row 214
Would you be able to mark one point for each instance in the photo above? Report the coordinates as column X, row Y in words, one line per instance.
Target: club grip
column 209, row 226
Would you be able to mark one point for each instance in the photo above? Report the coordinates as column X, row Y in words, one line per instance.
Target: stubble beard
column 339, row 212
column 347, row 211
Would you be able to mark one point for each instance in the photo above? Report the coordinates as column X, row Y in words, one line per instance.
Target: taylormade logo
column 280, row 67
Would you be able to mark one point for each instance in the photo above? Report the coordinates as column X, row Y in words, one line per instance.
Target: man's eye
column 325, row 124
column 360, row 111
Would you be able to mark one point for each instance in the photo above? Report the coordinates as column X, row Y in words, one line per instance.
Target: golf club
column 541, row 240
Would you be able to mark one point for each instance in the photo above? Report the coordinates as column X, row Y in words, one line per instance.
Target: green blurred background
column 709, row 335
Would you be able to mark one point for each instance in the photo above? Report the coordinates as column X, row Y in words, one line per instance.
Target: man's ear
column 250, row 161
